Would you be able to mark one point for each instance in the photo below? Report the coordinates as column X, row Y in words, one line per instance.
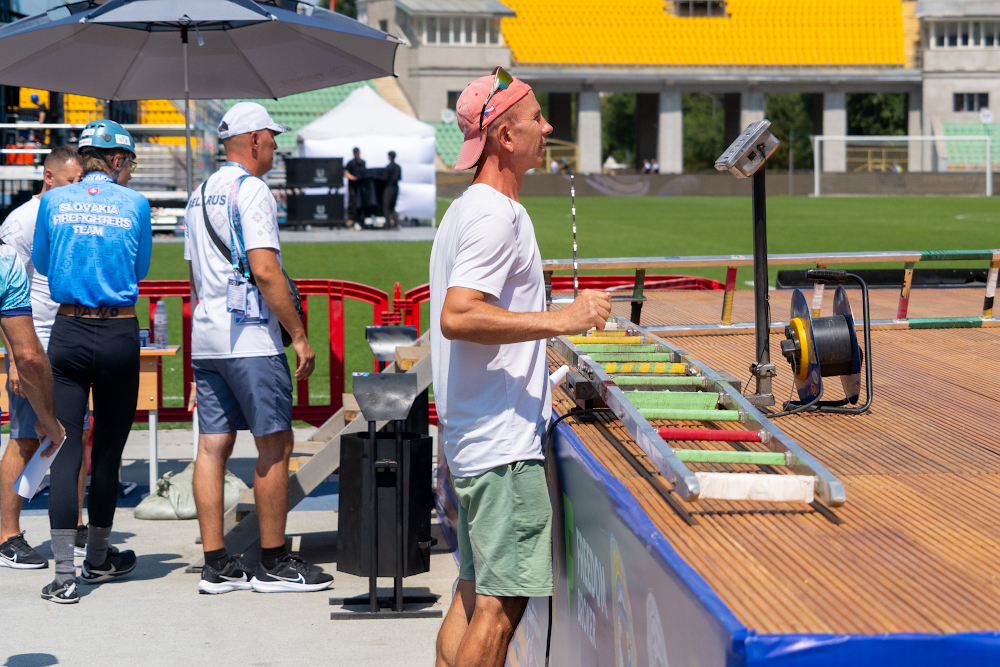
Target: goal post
column 905, row 164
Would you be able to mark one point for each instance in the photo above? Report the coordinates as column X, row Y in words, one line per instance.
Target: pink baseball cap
column 470, row 105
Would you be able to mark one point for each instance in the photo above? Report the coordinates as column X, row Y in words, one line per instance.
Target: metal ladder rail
column 829, row 488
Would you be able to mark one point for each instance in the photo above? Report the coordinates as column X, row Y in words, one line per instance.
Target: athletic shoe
column 117, row 564
column 234, row 576
column 291, row 574
column 65, row 594
column 80, row 546
column 16, row 553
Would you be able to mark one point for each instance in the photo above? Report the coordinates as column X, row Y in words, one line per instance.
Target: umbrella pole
column 187, row 116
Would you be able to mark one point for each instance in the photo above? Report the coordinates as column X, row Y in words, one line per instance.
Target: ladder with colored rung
column 641, row 377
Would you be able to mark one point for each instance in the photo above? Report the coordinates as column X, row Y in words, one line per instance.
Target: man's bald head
column 254, row 150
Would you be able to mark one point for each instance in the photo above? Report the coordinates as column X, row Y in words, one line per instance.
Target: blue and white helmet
column 103, row 133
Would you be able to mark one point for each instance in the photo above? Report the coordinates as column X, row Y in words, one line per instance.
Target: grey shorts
column 252, row 393
column 22, row 415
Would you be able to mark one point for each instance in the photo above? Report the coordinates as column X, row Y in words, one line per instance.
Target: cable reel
column 828, row 347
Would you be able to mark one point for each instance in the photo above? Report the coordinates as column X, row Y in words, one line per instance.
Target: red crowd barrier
column 335, row 291
column 405, row 309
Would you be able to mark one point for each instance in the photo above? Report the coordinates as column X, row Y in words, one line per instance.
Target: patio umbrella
column 138, row 49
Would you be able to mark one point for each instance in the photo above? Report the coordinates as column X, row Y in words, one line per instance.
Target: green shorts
column 505, row 530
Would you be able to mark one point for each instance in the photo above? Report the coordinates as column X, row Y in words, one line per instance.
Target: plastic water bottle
column 160, row 324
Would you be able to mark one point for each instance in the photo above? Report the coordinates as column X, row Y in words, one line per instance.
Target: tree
column 618, row 127
column 703, row 130
column 790, row 112
column 876, row 114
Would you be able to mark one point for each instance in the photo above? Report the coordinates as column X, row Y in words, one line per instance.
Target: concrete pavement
column 155, row 616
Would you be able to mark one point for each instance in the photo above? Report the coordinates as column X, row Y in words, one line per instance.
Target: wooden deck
column 919, row 547
column 705, row 307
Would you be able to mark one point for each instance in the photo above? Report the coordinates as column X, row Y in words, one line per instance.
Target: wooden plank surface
column 920, row 545
column 705, row 306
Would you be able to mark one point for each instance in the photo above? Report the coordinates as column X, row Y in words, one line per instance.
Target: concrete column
column 588, row 131
column 834, row 124
column 670, row 142
column 751, row 109
column 914, row 125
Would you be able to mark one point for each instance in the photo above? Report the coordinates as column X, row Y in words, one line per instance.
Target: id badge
column 236, row 296
column 252, row 308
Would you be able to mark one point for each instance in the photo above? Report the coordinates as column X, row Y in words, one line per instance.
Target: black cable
column 574, row 412
column 816, row 405
column 767, row 345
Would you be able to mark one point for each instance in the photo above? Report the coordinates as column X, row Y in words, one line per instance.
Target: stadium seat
column 641, row 32
column 297, row 111
column 971, row 155
column 449, row 141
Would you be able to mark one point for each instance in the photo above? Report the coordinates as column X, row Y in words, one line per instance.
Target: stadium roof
column 957, row 8
column 756, row 32
column 480, row 7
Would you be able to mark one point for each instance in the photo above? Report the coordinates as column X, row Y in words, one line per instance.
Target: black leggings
column 101, row 356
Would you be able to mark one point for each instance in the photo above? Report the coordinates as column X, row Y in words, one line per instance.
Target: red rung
column 614, row 283
column 707, row 434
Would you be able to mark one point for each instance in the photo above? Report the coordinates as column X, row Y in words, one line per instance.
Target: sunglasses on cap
column 501, row 79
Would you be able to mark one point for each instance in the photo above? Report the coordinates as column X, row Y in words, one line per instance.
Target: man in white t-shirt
column 240, row 369
column 61, row 167
column 488, row 330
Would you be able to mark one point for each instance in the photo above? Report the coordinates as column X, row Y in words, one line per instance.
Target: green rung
column 691, row 415
column 675, row 400
column 587, row 349
column 938, row 255
column 712, row 456
column 946, row 322
column 625, row 358
column 656, row 381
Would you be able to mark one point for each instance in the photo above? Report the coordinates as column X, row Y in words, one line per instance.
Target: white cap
column 245, row 117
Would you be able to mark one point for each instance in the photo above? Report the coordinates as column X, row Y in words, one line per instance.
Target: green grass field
column 622, row 227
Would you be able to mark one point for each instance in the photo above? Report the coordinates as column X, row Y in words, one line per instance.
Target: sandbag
column 174, row 496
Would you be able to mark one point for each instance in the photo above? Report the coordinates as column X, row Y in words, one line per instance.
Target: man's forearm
column 36, row 380
column 487, row 324
column 28, row 357
column 274, row 289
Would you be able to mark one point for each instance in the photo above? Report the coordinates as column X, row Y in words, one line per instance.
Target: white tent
column 366, row 121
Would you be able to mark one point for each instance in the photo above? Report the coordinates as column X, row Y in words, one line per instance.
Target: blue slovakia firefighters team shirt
column 15, row 292
column 93, row 241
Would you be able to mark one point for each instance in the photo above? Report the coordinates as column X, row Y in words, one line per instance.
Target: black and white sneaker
column 16, row 553
column 291, row 574
column 65, row 594
column 234, row 576
column 80, row 546
column 117, row 564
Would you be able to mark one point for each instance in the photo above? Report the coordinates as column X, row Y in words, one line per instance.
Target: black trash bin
column 353, row 536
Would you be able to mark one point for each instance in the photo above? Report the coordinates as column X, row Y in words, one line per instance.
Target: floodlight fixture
column 750, row 150
column 745, row 158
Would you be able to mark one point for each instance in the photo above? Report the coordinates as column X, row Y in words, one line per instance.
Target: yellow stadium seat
column 756, row 32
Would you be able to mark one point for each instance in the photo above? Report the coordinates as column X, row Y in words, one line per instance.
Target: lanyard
column 236, row 250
